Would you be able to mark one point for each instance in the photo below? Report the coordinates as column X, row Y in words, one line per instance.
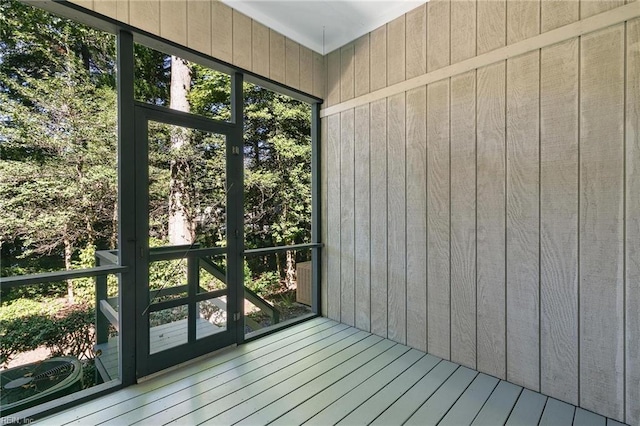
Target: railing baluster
column 102, row 325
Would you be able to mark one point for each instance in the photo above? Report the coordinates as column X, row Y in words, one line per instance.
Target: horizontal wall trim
column 585, row 26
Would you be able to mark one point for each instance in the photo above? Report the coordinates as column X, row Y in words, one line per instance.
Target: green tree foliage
column 58, row 140
column 58, row 174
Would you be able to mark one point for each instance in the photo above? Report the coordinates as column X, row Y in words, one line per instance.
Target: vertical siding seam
column 450, row 14
column 406, row 269
column 160, row 19
column 624, row 227
column 506, row 221
column 406, row 248
column 404, row 60
column 578, row 284
column 370, row 209
column 426, row 210
column 475, row 266
column 450, row 294
column 339, row 78
column 232, row 14
column 386, row 64
column 540, row 19
column 540, row 216
column 386, row 217
column 353, row 219
column 186, row 19
column 475, row 131
column 368, row 81
column 339, row 147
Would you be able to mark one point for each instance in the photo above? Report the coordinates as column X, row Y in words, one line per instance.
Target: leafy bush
column 267, row 283
column 69, row 331
column 84, row 288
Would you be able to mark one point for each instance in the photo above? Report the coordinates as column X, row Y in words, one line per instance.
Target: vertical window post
column 126, row 207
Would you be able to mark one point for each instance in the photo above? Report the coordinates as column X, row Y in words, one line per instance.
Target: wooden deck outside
column 161, row 337
column 321, row 372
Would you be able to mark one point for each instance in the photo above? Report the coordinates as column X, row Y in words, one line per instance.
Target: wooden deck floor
column 161, row 337
column 319, row 373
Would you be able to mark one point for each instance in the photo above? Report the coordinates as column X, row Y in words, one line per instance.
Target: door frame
column 147, row 363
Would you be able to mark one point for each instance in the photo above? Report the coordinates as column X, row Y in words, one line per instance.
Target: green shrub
column 266, row 284
column 68, row 331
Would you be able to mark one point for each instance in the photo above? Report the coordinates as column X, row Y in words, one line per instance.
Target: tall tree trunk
column 290, row 278
column 113, row 239
column 181, row 223
column 68, row 252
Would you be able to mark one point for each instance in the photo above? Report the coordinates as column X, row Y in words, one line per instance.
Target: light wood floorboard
column 322, row 372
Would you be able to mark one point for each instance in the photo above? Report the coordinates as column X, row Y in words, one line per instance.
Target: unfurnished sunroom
column 471, row 244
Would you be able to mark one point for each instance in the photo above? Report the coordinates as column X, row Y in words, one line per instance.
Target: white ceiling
column 323, row 25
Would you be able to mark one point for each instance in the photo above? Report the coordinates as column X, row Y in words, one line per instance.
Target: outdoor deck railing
column 196, row 259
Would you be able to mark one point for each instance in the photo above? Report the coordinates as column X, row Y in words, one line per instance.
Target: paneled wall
column 481, row 187
column 215, row 29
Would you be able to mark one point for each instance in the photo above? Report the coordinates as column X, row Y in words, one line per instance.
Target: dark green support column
column 235, row 208
column 316, row 252
column 126, row 208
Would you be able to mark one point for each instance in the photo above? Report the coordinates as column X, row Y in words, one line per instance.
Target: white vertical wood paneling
column 438, row 34
column 333, row 77
column 324, row 160
column 332, row 245
column 221, row 30
column 292, row 63
column 145, row 14
column 319, row 75
column 523, row 19
column 107, row 8
column 241, row 40
column 122, row 10
column 491, row 248
column 396, row 51
column 347, row 224
column 590, row 7
column 601, row 221
column 559, row 221
column 632, row 238
column 438, row 220
column 523, row 340
column 362, row 219
column 347, row 68
column 463, row 219
column 515, row 209
column 417, row 218
column 396, row 219
column 199, row 25
column 361, row 65
column 378, row 57
column 276, row 56
column 556, row 13
column 463, row 30
column 491, row 25
column 173, row 21
column 378, row 158
column 306, row 70
column 416, row 41
column 260, row 48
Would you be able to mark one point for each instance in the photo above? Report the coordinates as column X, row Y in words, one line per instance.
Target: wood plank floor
column 322, row 372
column 161, row 337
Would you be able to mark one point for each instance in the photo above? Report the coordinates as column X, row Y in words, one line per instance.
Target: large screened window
column 58, row 205
column 277, row 207
column 155, row 205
